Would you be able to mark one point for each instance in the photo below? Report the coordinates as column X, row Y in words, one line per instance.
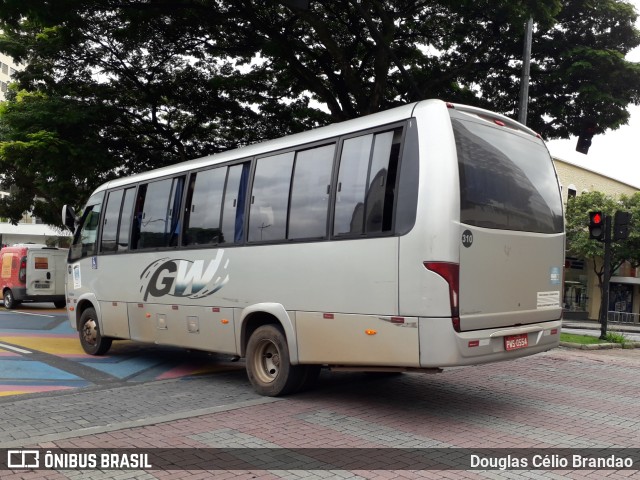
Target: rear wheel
column 268, row 363
column 9, row 300
column 60, row 303
column 91, row 339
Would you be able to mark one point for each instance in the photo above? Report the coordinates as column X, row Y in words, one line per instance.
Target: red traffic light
column 596, row 226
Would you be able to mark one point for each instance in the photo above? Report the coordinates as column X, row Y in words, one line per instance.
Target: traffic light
column 584, row 139
column 596, row 225
column 621, row 222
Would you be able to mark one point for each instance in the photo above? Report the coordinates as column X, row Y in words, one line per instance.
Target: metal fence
column 623, row 317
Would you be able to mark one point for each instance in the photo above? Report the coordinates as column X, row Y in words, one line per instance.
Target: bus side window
column 85, row 240
column 310, row 192
column 125, row 220
column 204, row 207
column 235, row 193
column 137, row 217
column 159, row 218
column 382, row 182
column 110, row 222
column 270, row 198
column 365, row 193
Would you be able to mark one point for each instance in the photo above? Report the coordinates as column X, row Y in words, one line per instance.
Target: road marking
column 15, row 349
column 27, row 313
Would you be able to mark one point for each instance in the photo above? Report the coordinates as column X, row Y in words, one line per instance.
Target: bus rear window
column 507, row 180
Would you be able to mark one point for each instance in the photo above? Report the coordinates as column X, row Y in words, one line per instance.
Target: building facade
column 30, row 229
column 7, row 69
column 581, row 290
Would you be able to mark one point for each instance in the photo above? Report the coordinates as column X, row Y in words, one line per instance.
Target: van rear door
column 45, row 271
column 511, row 226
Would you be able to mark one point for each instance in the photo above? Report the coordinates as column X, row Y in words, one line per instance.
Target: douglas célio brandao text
column 550, row 461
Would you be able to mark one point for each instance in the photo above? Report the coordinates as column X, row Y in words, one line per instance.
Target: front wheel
column 91, row 339
column 268, row 363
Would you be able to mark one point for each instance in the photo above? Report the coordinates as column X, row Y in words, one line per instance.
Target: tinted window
column 85, row 240
column 382, row 182
column 204, row 207
column 235, row 193
column 160, row 213
column 352, row 181
column 310, row 192
column 507, row 181
column 270, row 198
column 125, row 220
column 110, row 222
column 367, row 183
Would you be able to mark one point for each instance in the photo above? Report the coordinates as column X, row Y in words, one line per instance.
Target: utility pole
column 604, row 302
column 524, row 83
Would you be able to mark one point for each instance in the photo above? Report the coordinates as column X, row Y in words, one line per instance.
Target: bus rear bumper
column 441, row 346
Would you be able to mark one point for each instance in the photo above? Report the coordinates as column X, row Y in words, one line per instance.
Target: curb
column 600, row 346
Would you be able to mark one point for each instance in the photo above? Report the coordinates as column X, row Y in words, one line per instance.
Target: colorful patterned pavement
column 40, row 352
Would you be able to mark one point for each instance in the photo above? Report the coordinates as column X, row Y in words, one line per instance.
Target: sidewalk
column 592, row 327
column 595, row 325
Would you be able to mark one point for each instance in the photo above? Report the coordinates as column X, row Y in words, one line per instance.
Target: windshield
column 507, row 179
column 85, row 240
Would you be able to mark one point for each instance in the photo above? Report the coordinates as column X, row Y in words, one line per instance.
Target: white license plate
column 40, row 285
column 514, row 342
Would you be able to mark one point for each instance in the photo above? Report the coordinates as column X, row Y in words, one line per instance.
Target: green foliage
column 142, row 84
column 581, row 339
column 616, row 337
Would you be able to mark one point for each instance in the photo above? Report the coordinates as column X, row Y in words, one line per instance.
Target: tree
column 580, row 245
column 171, row 80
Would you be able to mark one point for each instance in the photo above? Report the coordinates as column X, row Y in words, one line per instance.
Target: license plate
column 514, row 342
column 41, row 285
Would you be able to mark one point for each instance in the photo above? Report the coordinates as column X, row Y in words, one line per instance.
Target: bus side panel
column 434, row 236
column 115, row 320
column 195, row 327
column 361, row 340
column 142, row 322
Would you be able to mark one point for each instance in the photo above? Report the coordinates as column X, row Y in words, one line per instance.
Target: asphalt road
column 40, row 352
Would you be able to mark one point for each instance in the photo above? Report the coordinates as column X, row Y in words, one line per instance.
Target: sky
column 616, row 153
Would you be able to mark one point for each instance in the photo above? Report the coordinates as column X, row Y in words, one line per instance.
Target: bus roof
column 309, row 137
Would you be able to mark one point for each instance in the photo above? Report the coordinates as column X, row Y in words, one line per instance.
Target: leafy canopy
column 115, row 87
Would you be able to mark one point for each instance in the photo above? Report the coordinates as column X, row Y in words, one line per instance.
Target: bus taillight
column 451, row 273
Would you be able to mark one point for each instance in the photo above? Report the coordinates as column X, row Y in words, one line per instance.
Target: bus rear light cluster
column 451, row 273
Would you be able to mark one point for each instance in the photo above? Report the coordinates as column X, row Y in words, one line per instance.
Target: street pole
column 604, row 302
column 524, row 83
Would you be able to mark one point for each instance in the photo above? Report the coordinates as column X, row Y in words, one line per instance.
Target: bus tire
column 91, row 339
column 9, row 300
column 268, row 363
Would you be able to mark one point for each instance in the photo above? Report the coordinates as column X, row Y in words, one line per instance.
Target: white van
column 31, row 272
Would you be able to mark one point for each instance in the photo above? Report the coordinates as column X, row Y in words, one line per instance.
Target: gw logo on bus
column 184, row 278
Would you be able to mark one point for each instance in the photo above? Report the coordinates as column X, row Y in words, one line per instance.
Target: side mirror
column 69, row 218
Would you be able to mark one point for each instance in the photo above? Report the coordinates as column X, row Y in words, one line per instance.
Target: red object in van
column 32, row 273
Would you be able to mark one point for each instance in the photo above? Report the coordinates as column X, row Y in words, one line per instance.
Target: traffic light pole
column 604, row 302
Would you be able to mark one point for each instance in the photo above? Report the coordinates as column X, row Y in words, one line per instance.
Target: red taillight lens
column 451, row 273
column 22, row 273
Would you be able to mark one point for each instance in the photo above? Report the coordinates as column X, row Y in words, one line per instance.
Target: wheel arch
column 268, row 314
column 84, row 303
